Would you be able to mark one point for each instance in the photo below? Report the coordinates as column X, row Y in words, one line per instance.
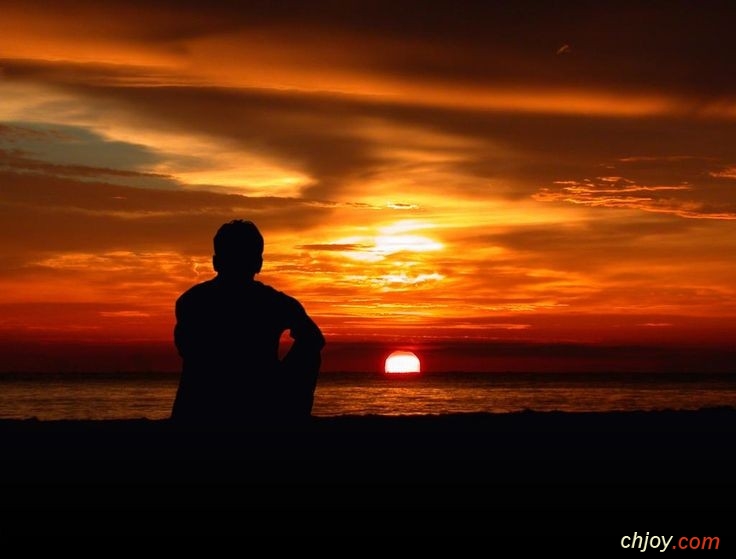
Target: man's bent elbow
column 309, row 335
column 316, row 340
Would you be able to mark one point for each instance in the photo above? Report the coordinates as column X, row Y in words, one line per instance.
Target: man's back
column 228, row 333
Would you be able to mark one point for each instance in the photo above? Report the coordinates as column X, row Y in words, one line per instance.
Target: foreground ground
column 450, row 471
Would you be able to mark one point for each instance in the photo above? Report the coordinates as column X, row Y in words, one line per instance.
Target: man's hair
column 238, row 247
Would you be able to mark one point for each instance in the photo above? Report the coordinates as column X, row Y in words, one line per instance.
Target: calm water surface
column 126, row 396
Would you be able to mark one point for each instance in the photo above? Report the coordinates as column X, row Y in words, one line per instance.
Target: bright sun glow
column 402, row 362
column 374, row 249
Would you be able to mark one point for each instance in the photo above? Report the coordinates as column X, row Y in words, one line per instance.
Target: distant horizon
column 368, row 357
column 577, row 375
column 99, row 396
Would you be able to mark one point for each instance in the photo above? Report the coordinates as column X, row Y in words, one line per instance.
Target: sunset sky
column 453, row 174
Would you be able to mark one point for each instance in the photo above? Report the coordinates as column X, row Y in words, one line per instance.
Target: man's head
column 238, row 249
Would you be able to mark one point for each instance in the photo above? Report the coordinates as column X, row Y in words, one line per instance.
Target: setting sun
column 402, row 362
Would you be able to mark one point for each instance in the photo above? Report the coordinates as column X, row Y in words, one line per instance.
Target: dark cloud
column 698, row 194
column 12, row 160
column 607, row 242
column 70, row 72
column 316, row 134
column 323, row 134
column 100, row 216
column 74, row 151
column 629, row 45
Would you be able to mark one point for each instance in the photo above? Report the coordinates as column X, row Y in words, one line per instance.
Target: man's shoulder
column 272, row 294
column 203, row 292
column 196, row 291
column 270, row 291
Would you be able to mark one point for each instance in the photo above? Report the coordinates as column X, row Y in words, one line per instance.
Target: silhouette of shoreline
column 471, row 464
column 624, row 437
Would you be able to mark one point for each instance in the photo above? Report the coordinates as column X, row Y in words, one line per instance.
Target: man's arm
column 303, row 360
column 308, row 338
column 305, row 331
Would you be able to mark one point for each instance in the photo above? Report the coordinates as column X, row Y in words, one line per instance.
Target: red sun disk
column 402, row 362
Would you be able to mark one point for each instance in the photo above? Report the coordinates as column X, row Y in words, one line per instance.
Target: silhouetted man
column 227, row 333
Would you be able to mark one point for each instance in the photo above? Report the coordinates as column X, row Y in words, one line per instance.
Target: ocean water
column 132, row 396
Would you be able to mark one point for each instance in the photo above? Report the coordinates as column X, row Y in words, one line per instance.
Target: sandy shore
column 473, row 464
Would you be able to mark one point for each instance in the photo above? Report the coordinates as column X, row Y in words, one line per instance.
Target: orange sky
column 420, row 175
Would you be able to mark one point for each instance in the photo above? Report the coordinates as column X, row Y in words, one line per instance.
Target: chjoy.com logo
column 663, row 543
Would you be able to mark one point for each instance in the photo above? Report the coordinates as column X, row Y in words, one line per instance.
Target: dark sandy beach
column 472, row 466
